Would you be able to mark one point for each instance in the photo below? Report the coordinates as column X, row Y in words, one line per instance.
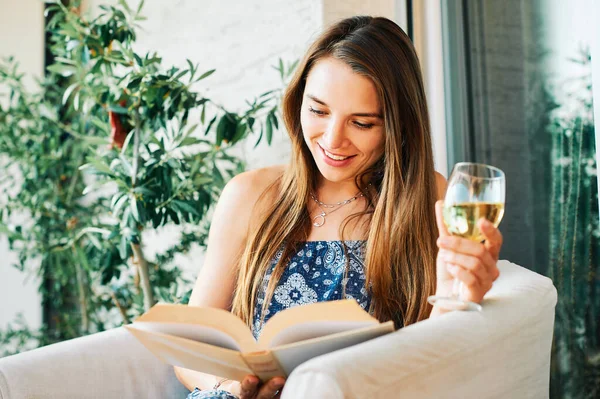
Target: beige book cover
column 217, row 342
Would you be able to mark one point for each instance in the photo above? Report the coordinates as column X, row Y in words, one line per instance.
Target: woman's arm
column 215, row 284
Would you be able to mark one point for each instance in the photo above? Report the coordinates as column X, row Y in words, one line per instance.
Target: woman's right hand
column 251, row 388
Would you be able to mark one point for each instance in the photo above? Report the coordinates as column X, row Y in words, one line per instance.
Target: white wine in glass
column 474, row 191
column 461, row 219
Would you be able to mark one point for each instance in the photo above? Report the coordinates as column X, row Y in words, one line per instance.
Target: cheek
column 373, row 145
column 309, row 126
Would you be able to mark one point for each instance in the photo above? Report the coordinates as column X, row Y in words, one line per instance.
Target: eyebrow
column 362, row 114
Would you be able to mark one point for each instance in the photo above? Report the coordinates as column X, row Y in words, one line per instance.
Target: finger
column 439, row 216
column 493, row 237
column 467, row 247
column 249, row 387
column 470, row 281
column 271, row 388
column 474, row 265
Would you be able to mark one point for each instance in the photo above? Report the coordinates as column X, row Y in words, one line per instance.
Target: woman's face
column 342, row 120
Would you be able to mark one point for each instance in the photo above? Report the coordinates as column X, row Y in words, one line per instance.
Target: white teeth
column 334, row 157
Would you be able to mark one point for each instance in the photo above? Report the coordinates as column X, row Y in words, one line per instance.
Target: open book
column 217, row 342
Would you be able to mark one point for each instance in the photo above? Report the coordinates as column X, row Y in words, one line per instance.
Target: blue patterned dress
column 315, row 273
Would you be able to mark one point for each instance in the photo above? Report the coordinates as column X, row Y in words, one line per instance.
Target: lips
column 330, row 158
column 335, row 157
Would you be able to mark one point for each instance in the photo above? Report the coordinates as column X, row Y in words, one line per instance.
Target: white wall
column 22, row 36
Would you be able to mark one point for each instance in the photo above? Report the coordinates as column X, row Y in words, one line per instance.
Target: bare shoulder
column 441, row 185
column 242, row 193
column 248, row 186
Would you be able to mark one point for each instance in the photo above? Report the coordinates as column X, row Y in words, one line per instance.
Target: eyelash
column 357, row 124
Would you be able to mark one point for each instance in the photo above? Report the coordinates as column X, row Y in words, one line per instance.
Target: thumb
column 439, row 216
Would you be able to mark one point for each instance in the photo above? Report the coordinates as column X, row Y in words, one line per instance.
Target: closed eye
column 364, row 125
column 316, row 111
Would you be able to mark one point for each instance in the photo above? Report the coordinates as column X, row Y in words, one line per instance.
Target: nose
column 334, row 134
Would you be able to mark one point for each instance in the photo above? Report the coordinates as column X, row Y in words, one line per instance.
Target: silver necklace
column 319, row 220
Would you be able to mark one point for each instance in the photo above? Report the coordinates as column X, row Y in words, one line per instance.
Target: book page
column 346, row 310
column 172, row 317
column 315, row 329
column 194, row 332
column 193, row 355
column 292, row 355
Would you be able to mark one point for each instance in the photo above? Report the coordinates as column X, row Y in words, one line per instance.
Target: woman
column 353, row 215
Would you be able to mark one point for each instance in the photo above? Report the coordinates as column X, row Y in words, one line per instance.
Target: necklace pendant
column 319, row 220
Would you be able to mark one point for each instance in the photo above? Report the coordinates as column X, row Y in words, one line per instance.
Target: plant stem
column 142, row 264
column 136, row 147
column 140, row 260
column 120, row 307
column 85, row 323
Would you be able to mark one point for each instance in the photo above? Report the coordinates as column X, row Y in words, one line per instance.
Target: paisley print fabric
column 315, row 273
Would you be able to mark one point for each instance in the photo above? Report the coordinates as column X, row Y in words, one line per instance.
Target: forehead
column 335, row 83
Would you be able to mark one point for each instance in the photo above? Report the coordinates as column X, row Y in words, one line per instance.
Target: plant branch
column 136, row 147
column 120, row 308
column 85, row 323
column 143, row 268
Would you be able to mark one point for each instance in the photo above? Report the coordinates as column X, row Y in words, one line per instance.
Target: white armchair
column 502, row 352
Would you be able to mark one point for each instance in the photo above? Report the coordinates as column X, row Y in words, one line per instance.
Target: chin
column 336, row 175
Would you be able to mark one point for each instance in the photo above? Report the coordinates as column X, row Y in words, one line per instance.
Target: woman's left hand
column 252, row 388
column 471, row 262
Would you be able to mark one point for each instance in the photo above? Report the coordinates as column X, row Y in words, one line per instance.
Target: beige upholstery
column 502, row 352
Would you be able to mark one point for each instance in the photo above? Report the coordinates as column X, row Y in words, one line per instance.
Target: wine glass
column 474, row 191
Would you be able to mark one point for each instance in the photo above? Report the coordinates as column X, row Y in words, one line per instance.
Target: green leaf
column 190, row 141
column 140, row 6
column 98, row 166
column 124, row 4
column 269, row 129
column 123, row 247
column 134, row 209
column 117, row 109
column 186, row 206
column 281, row 69
column 206, row 74
column 116, row 210
column 221, row 129
column 126, row 165
column 274, row 118
column 292, row 67
column 259, row 137
column 179, row 75
column 239, row 133
column 94, row 240
column 203, row 114
column 212, row 121
column 62, row 69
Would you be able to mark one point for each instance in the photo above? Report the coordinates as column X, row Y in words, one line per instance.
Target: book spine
column 264, row 365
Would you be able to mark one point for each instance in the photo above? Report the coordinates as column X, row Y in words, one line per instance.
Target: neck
column 331, row 192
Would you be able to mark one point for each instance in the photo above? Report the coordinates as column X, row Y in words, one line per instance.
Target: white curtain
column 427, row 30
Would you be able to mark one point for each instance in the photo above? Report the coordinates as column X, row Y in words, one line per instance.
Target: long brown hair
column 401, row 250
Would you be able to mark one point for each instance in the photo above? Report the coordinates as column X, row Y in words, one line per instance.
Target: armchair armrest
column 501, row 352
column 111, row 364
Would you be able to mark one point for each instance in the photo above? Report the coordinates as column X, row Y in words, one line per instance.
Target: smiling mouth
column 335, row 157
